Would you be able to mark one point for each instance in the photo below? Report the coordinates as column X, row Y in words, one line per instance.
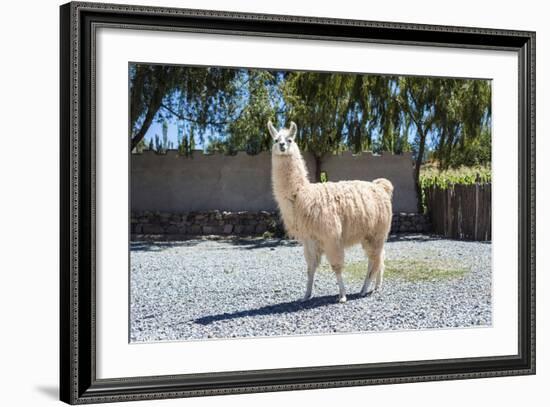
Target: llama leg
column 380, row 275
column 335, row 256
column 374, row 277
column 312, row 254
column 376, row 261
column 368, row 254
column 365, row 288
column 341, row 287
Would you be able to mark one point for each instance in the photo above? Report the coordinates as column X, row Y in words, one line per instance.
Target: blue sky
column 156, row 129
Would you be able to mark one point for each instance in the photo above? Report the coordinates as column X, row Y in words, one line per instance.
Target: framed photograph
column 255, row 203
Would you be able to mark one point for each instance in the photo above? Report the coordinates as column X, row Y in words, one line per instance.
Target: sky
column 156, row 129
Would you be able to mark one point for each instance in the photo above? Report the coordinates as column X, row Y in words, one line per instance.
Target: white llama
column 328, row 217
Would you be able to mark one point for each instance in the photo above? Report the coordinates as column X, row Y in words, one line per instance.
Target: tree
column 322, row 103
column 462, row 117
column 417, row 100
column 196, row 95
column 163, row 145
column 344, row 111
column 149, row 85
column 386, row 116
column 255, row 103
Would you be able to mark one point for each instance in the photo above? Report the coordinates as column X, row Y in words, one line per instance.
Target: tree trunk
column 441, row 147
column 165, row 82
column 419, row 157
column 318, row 161
column 136, row 94
column 152, row 110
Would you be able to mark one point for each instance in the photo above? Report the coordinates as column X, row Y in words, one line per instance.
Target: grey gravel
column 207, row 288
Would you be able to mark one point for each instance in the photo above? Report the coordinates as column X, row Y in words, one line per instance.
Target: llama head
column 283, row 140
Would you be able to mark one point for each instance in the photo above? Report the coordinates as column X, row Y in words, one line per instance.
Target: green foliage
column 417, row 99
column 254, row 102
column 186, row 144
column 142, row 146
column 248, row 131
column 319, row 103
column 474, row 151
column 431, row 176
column 163, row 145
column 463, row 118
column 197, row 95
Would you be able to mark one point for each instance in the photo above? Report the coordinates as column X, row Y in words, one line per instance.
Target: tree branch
column 207, row 122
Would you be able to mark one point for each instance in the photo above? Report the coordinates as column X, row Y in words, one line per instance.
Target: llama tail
column 385, row 184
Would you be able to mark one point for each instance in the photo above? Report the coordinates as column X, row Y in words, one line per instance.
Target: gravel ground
column 202, row 288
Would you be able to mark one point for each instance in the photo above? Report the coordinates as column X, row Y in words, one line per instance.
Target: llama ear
column 272, row 129
column 293, row 130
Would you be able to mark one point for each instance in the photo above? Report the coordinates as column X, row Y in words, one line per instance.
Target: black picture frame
column 78, row 382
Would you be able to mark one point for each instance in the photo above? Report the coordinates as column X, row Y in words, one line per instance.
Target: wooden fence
column 460, row 212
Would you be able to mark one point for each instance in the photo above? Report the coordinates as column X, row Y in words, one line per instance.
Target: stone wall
column 145, row 225
column 174, row 184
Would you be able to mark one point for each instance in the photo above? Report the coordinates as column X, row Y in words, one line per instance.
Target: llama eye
column 289, row 140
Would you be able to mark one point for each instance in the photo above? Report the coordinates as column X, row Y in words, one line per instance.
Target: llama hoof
column 306, row 298
column 367, row 289
column 342, row 300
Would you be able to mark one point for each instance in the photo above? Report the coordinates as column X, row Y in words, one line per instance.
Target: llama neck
column 289, row 175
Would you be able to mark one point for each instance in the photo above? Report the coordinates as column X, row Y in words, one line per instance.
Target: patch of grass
column 413, row 270
column 424, row 270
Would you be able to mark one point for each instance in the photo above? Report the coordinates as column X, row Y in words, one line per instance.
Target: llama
column 331, row 216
